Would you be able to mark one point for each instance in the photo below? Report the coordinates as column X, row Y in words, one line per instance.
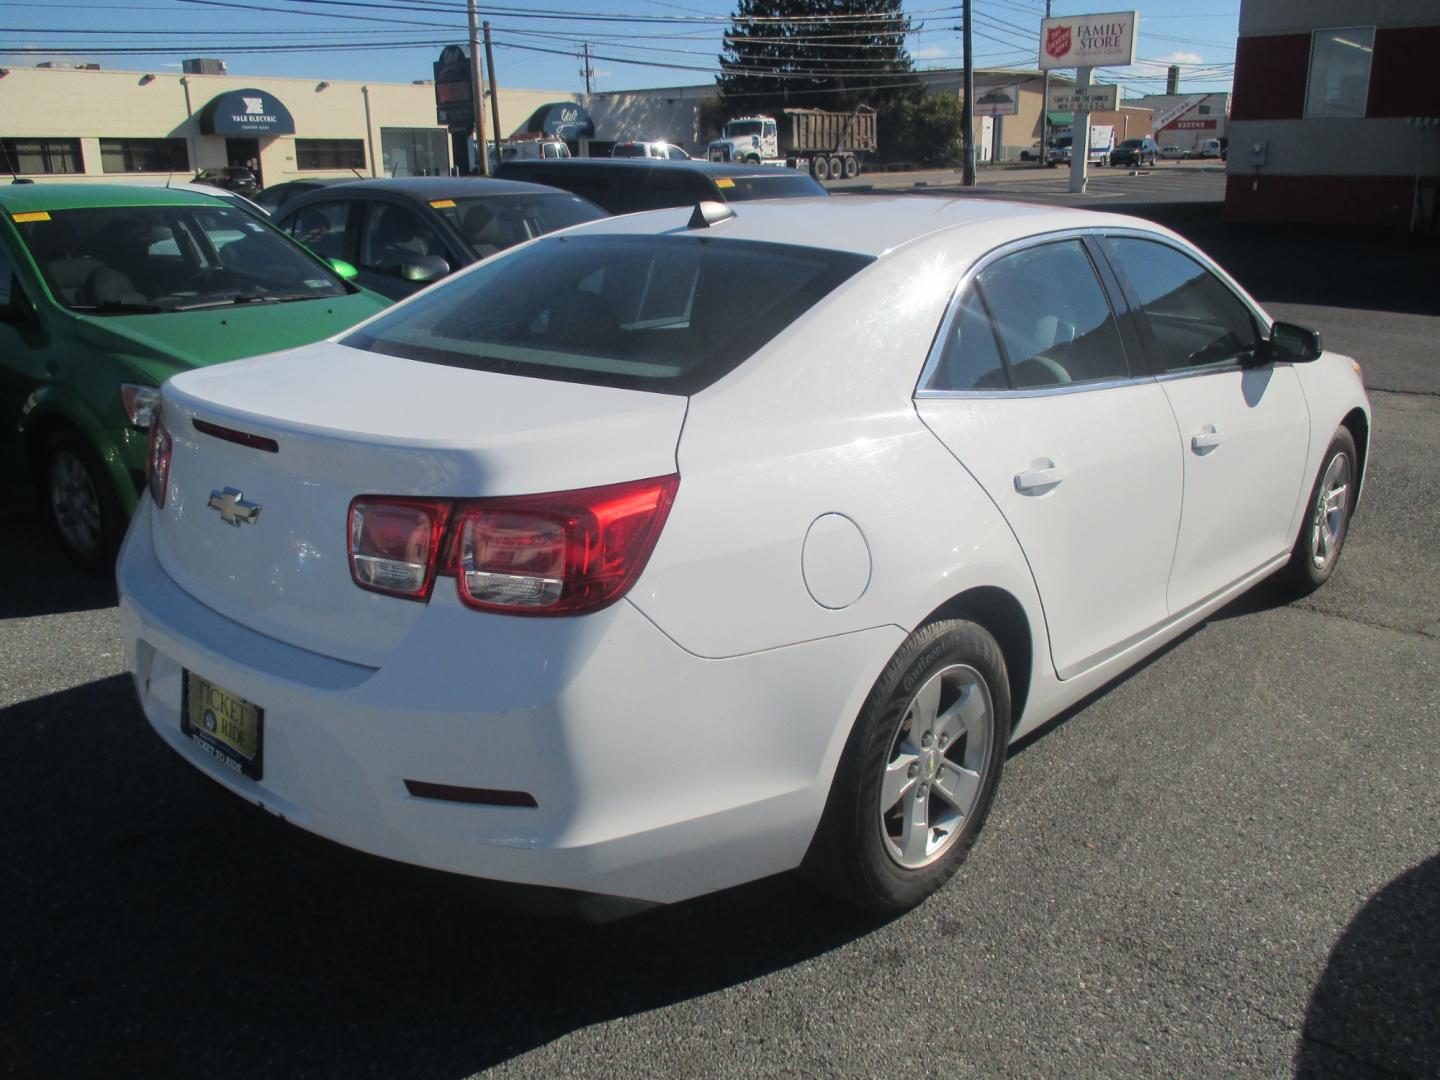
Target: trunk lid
column 348, row 422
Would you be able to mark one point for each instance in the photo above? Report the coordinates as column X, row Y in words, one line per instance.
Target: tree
column 824, row 54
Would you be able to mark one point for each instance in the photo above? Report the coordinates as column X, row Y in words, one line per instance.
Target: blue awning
column 246, row 112
column 562, row 118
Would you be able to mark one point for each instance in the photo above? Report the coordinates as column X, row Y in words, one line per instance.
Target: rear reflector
column 157, row 462
column 395, row 544
column 486, row 796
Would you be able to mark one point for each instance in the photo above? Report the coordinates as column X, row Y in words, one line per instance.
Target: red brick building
column 1336, row 113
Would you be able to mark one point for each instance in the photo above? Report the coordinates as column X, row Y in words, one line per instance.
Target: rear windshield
column 785, row 184
column 669, row 314
column 1132, row 143
column 629, row 150
column 120, row 260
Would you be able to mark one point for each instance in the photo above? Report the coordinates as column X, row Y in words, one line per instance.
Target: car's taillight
column 559, row 553
column 157, row 462
column 395, row 544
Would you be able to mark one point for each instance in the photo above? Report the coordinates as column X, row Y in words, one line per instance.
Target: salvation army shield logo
column 1057, row 41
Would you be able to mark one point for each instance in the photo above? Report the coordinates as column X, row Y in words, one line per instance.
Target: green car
column 108, row 290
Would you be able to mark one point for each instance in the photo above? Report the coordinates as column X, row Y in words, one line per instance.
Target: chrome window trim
column 952, row 312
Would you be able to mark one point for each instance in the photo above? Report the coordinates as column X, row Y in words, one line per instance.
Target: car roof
column 439, row 187
column 707, row 168
column 866, row 224
column 21, row 198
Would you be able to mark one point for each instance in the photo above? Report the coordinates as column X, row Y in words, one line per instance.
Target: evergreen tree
column 824, row 54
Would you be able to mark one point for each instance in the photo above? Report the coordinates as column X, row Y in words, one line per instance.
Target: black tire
column 81, row 503
column 820, row 167
column 852, row 167
column 1322, row 535
column 851, row 855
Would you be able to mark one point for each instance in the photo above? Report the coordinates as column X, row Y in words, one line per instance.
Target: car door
column 1032, row 387
column 1244, row 429
column 393, row 237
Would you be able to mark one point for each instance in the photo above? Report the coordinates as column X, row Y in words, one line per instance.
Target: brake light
column 559, row 553
column 395, row 544
column 157, row 462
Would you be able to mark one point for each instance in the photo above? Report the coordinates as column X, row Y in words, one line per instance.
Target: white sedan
column 1173, row 153
column 679, row 549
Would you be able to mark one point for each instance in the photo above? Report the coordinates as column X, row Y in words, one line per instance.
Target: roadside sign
column 998, row 101
column 1074, row 41
column 454, row 105
column 1073, row 99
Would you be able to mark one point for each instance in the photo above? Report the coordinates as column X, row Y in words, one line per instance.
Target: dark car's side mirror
column 1292, row 344
column 424, row 268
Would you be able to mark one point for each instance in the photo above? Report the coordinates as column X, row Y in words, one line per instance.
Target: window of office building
column 414, row 151
column 1339, row 71
column 41, row 156
column 144, row 155
column 330, row 153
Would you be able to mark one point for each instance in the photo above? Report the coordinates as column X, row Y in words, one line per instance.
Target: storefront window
column 41, row 156
column 1339, row 71
column 330, row 153
column 144, row 155
column 414, row 151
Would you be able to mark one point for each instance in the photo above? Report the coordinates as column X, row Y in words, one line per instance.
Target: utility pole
column 494, row 88
column 1044, row 105
column 477, row 93
column 587, row 70
column 967, row 107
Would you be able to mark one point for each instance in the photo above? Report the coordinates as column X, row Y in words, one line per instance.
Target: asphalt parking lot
column 1228, row 862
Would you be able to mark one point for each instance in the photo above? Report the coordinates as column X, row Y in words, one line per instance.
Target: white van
column 1208, row 148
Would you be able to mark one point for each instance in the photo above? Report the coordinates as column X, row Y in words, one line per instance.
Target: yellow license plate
column 227, row 727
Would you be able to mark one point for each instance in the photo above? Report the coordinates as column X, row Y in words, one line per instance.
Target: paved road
column 1227, row 863
column 1168, row 182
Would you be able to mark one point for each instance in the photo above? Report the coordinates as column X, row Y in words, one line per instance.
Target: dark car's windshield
column 136, row 259
column 1132, row 143
column 663, row 313
column 491, row 223
column 630, row 150
column 785, row 184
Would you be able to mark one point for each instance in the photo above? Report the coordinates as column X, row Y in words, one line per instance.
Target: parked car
column 231, row 178
column 623, row 186
column 690, row 547
column 663, row 151
column 1136, row 152
column 278, row 196
column 1172, row 153
column 233, row 198
column 1035, row 152
column 403, row 234
column 109, row 289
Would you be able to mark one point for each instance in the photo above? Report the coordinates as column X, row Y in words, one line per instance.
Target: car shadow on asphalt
column 37, row 578
column 1372, row 1014
column 160, row 927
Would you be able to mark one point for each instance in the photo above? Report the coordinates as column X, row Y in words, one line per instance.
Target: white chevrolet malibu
column 684, row 548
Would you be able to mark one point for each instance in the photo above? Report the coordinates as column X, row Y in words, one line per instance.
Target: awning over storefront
column 1060, row 119
column 246, row 112
column 562, row 118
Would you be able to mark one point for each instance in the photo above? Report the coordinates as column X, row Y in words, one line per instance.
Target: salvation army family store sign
column 1076, row 41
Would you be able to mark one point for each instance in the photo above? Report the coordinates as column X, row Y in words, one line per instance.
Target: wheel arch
column 45, row 414
column 1358, row 424
column 1002, row 615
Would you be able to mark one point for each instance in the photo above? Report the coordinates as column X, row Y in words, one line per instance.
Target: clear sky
column 634, row 43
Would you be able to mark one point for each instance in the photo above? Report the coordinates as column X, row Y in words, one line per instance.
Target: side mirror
column 1292, row 344
column 343, row 268
column 424, row 268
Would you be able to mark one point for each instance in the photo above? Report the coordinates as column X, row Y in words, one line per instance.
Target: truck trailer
column 827, row 144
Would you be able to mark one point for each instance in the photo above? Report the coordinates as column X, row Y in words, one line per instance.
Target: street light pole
column 967, row 107
column 1045, row 107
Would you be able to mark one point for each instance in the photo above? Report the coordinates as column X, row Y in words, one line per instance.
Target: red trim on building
column 1270, row 75
column 1331, row 200
column 1401, row 81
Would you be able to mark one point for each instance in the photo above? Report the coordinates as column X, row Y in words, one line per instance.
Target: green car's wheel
column 81, row 503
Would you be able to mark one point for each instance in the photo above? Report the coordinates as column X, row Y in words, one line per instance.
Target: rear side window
column 1035, row 319
column 670, row 314
column 321, row 228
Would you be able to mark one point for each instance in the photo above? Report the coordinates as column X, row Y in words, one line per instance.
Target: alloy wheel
column 1327, row 527
column 75, row 502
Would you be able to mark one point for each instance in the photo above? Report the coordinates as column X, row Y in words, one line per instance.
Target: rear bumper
column 658, row 775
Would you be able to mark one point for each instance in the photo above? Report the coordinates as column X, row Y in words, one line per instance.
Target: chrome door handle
column 1207, row 438
column 1032, row 480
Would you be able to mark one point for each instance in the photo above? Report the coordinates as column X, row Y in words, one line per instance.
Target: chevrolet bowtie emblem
column 233, row 508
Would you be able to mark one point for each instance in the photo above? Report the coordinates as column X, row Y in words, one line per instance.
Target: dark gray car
column 625, row 185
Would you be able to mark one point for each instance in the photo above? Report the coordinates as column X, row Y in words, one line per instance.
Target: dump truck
column 827, row 144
